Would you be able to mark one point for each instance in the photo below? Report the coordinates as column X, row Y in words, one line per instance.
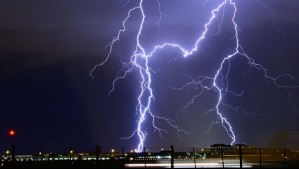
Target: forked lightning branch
column 139, row 61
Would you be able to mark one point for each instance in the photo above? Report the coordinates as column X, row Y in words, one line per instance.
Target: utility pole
column 240, row 154
column 260, row 157
column 285, row 157
column 172, row 156
column 222, row 157
column 123, row 152
column 194, row 157
column 71, row 153
column 12, row 133
column 41, row 156
column 144, row 157
column 97, row 151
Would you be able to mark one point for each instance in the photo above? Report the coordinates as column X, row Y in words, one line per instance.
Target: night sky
column 47, row 49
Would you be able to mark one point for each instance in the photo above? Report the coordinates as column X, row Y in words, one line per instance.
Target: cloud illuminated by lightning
column 139, row 60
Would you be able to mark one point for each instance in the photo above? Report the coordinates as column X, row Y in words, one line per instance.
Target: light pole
column 71, row 160
column 71, row 153
column 12, row 133
column 194, row 157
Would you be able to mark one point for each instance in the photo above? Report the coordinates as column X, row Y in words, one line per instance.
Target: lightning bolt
column 272, row 15
column 139, row 60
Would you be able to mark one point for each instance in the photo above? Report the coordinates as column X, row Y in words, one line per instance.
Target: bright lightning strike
column 139, row 60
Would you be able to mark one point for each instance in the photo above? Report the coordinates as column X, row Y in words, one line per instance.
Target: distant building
column 163, row 154
column 216, row 149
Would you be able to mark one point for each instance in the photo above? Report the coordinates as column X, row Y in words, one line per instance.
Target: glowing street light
column 11, row 132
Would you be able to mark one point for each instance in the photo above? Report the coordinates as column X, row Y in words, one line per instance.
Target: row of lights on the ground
column 135, row 150
column 132, row 151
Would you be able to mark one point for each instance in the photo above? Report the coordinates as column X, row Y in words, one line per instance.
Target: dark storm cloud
column 252, row 12
column 56, row 29
column 47, row 49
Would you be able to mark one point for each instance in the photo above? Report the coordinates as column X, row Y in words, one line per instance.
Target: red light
column 11, row 132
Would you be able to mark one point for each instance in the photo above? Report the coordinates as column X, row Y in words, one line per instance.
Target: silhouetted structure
column 234, row 156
